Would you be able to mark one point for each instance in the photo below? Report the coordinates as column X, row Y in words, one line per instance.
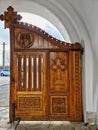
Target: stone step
column 50, row 126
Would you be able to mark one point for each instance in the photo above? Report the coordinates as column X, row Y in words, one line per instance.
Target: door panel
column 30, row 84
column 59, row 71
column 59, row 105
column 59, row 86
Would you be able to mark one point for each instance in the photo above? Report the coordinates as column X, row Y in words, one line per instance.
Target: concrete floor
column 4, row 102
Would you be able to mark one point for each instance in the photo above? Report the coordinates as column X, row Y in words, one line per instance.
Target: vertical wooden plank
column 24, row 74
column 37, row 80
column 30, row 74
column 47, row 82
column 71, row 85
column 19, row 73
column 39, row 73
column 42, row 71
column 12, row 37
column 27, row 72
column 34, row 70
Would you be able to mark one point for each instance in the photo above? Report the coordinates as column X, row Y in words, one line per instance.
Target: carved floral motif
column 59, row 105
column 29, row 102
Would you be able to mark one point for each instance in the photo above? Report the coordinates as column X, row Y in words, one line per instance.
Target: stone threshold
column 48, row 125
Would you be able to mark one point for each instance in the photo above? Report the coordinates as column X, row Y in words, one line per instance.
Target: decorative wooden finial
column 10, row 17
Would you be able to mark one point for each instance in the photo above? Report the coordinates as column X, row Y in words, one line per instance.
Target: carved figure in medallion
column 25, row 39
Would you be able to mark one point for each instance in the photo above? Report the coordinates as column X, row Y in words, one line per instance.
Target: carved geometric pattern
column 25, row 39
column 10, row 17
column 77, row 86
column 29, row 102
column 59, row 105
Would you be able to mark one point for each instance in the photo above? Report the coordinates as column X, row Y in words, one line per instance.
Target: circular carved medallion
column 25, row 39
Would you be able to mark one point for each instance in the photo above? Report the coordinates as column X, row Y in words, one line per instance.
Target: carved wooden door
column 46, row 77
column 64, row 85
column 30, row 88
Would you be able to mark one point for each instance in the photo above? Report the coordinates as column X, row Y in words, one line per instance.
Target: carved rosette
column 25, row 39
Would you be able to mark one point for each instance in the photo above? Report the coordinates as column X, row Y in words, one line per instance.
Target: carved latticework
column 46, row 81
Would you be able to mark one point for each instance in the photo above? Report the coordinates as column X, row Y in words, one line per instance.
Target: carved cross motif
column 10, row 17
column 58, row 64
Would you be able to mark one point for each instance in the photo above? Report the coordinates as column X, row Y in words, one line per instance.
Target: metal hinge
column 14, row 117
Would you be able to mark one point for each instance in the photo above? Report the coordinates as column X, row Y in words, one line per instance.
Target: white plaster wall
column 79, row 19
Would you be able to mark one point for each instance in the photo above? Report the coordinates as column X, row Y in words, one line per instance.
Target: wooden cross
column 10, row 17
